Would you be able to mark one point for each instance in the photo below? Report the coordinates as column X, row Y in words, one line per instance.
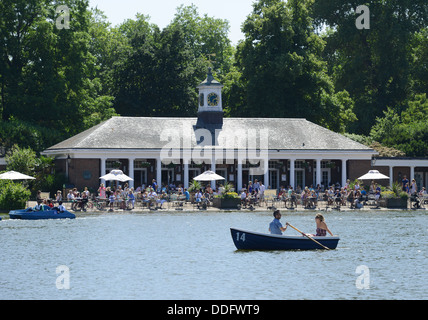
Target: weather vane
column 209, row 58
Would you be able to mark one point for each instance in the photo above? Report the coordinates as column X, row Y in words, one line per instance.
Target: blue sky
column 162, row 11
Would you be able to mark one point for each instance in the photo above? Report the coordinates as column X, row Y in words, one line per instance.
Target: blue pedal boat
column 28, row 214
column 248, row 240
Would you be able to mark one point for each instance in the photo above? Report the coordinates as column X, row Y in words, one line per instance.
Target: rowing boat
column 248, row 240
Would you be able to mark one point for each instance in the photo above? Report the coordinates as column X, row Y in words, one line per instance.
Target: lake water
column 175, row 256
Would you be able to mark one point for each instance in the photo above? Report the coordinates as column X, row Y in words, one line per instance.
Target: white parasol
column 116, row 175
column 209, row 176
column 373, row 175
column 13, row 175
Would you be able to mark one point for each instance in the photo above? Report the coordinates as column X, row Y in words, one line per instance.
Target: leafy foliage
column 13, row 196
column 407, row 131
column 381, row 67
column 25, row 160
column 283, row 70
column 298, row 59
column 48, row 78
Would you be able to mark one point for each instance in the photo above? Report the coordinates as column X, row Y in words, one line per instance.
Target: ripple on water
column 191, row 256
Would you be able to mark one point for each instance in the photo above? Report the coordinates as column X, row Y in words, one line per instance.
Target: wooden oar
column 308, row 236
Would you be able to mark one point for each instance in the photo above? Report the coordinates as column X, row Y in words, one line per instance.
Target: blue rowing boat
column 28, row 214
column 248, row 240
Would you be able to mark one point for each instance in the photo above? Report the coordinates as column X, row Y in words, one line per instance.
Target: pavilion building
column 279, row 152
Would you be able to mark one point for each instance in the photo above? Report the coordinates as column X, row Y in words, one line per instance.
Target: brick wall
column 85, row 173
column 357, row 168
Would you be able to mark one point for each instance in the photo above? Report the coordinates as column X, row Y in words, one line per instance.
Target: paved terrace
column 170, row 207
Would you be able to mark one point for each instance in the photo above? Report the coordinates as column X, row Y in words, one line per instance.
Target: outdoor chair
column 270, row 196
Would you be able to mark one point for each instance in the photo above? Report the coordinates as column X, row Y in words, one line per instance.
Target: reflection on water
column 192, row 256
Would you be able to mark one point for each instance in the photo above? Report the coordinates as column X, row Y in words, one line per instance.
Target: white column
column 344, row 173
column 292, row 173
column 159, row 171
column 131, row 172
column 239, row 182
column 186, row 173
column 213, row 168
column 412, row 174
column 103, row 169
column 319, row 172
column 391, row 176
column 266, row 172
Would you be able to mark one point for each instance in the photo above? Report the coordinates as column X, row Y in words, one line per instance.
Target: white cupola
column 210, row 111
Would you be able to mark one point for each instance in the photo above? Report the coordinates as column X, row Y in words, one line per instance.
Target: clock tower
column 210, row 112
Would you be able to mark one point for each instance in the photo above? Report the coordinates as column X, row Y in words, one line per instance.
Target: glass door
column 419, row 177
column 140, row 178
column 325, row 178
column 299, row 179
column 273, row 179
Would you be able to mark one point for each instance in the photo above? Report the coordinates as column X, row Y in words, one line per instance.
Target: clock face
column 213, row 100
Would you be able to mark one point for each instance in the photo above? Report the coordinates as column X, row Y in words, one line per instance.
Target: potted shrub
column 193, row 188
column 395, row 198
column 228, row 199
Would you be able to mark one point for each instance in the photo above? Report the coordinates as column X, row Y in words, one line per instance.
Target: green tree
column 282, row 68
column 419, row 61
column 207, row 37
column 158, row 75
column 373, row 65
column 406, row 131
column 48, row 76
column 42, row 168
column 22, row 160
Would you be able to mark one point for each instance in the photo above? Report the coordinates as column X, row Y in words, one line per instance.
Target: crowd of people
column 411, row 188
column 152, row 194
column 309, row 197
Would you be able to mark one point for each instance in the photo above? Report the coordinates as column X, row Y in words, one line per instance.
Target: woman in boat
column 322, row 228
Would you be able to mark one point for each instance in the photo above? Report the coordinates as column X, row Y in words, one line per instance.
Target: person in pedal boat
column 275, row 227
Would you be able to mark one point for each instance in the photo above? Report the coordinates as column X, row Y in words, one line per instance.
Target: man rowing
column 275, row 227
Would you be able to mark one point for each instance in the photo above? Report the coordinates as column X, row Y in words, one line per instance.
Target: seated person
column 364, row 196
column 38, row 207
column 187, row 194
column 58, row 196
column 71, row 198
column 198, row 196
column 112, row 199
column 163, row 198
column 60, row 207
column 358, row 200
column 338, row 197
column 417, row 202
column 146, row 199
column 50, row 204
column 243, row 198
column 344, row 194
column 351, row 198
column 330, row 196
column 131, row 199
column 293, row 199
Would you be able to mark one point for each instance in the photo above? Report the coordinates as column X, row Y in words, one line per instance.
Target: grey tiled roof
column 145, row 133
